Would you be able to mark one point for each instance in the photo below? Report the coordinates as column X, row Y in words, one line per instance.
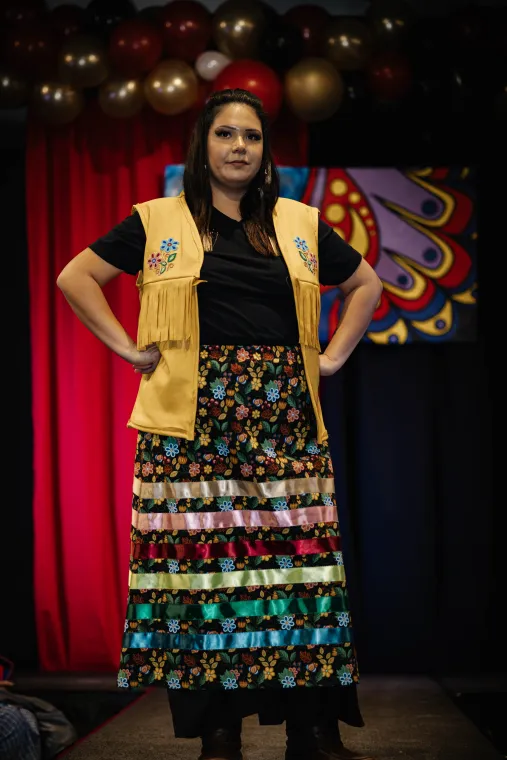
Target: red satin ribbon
column 235, row 549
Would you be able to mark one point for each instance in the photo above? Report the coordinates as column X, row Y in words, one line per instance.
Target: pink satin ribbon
column 235, row 549
column 237, row 518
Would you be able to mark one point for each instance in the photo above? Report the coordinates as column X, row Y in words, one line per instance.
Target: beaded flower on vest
column 309, row 258
column 163, row 259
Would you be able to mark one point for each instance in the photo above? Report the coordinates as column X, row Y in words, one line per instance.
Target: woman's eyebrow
column 227, row 126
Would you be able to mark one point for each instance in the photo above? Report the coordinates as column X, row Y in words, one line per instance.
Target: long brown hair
column 257, row 204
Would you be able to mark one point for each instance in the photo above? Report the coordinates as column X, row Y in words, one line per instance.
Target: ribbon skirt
column 236, row 571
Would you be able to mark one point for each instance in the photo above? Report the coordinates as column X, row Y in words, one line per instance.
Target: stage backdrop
column 416, row 227
column 81, row 180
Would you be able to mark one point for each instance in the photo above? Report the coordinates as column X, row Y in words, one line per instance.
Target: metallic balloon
column 255, row 77
column 282, row 45
column 314, row 89
column 312, row 21
column 83, row 61
column 390, row 75
column 390, row 20
column 238, row 26
column 56, row 103
column 185, row 26
column 348, row 44
column 13, row 90
column 171, row 87
column 210, row 63
column 121, row 98
column 135, row 47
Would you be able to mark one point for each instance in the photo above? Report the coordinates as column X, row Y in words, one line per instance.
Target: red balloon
column 256, row 77
column 135, row 47
column 30, row 50
column 390, row 76
column 311, row 20
column 66, row 20
column 186, row 29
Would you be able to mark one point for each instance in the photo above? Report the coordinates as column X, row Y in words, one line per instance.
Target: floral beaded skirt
column 236, row 575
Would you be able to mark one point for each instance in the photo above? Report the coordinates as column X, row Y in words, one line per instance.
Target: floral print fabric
column 254, row 425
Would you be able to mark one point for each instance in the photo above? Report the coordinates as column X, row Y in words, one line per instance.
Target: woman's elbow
column 63, row 279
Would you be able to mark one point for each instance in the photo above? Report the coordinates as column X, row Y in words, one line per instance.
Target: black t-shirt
column 247, row 298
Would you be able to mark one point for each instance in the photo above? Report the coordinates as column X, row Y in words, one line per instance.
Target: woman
column 237, row 600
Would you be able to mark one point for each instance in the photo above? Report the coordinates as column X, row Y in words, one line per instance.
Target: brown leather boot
column 221, row 744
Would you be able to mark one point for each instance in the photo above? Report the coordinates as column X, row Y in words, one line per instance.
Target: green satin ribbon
column 237, row 578
column 252, row 608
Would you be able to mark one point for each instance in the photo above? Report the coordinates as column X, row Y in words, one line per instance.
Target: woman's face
column 235, row 146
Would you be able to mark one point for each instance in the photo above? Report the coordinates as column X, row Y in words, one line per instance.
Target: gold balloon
column 13, row 90
column 348, row 44
column 238, row 27
column 56, row 103
column 121, row 98
column 390, row 20
column 171, row 87
column 314, row 89
column 83, row 61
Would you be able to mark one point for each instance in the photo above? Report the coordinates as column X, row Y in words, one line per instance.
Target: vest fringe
column 168, row 312
column 310, row 314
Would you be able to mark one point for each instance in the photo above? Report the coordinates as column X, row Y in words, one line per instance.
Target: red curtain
column 81, row 181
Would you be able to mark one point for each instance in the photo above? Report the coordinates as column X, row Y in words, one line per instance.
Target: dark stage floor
column 407, row 718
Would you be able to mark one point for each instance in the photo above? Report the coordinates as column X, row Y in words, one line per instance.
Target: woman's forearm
column 359, row 306
column 90, row 305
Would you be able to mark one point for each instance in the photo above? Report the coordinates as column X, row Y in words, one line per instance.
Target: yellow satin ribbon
column 237, row 578
column 205, row 489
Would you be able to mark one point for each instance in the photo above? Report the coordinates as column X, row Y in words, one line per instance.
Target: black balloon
column 270, row 14
column 150, row 13
column 282, row 45
column 22, row 11
column 469, row 29
column 427, row 43
column 448, row 89
column 356, row 97
column 500, row 104
column 103, row 15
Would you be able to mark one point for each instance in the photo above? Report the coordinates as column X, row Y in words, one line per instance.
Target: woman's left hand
column 329, row 366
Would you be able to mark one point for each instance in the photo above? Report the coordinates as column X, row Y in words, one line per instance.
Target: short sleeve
column 124, row 245
column 337, row 259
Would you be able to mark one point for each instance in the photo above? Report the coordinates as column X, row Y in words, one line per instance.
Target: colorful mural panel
column 416, row 227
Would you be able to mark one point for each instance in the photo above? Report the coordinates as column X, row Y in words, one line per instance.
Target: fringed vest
column 167, row 399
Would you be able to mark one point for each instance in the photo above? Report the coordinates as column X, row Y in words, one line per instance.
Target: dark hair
column 259, row 200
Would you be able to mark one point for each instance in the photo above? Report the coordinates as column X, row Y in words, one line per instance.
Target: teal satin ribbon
column 222, row 610
column 253, row 640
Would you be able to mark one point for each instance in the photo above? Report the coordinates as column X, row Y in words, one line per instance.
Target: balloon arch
column 171, row 57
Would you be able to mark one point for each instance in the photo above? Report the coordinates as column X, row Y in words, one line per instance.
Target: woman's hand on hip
column 328, row 366
column 144, row 362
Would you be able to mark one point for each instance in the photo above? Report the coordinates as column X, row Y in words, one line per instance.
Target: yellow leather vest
column 167, row 399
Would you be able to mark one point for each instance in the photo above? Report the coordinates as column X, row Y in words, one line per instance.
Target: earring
column 205, row 167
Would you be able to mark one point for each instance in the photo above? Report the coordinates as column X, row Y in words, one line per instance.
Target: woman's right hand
column 144, row 362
